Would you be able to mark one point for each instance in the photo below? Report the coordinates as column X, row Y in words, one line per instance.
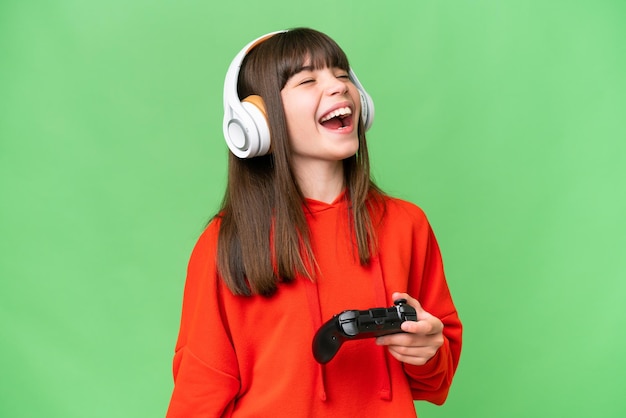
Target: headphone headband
column 245, row 126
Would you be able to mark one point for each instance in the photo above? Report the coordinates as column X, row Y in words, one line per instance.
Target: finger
column 409, row 340
column 415, row 357
column 403, row 340
column 416, row 327
column 411, row 331
column 427, row 324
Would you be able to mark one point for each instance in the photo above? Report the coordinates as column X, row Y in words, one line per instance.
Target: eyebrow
column 303, row 68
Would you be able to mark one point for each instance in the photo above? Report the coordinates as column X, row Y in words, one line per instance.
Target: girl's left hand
column 421, row 339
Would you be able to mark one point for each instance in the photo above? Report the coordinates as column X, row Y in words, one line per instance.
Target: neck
column 322, row 181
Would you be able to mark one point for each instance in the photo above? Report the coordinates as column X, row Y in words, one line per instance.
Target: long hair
column 264, row 238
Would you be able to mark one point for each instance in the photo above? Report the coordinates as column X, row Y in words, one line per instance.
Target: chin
column 347, row 153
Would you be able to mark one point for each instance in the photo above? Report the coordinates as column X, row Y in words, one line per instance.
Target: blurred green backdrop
column 504, row 120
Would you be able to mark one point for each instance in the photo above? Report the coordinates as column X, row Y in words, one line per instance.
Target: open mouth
column 337, row 119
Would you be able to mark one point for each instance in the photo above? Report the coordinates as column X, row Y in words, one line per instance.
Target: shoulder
column 207, row 241
column 401, row 218
column 400, row 210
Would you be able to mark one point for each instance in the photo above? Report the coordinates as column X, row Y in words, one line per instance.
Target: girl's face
column 322, row 108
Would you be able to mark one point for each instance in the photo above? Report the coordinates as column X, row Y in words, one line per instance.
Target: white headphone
column 246, row 129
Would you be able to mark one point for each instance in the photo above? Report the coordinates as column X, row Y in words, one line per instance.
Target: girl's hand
column 421, row 339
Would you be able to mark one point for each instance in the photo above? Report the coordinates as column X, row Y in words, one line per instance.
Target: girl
column 303, row 234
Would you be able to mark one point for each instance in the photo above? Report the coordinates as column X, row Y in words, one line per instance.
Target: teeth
column 336, row 113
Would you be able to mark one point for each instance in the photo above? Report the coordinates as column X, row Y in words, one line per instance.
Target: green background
column 502, row 119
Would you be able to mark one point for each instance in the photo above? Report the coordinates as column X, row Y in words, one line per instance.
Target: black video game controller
column 356, row 325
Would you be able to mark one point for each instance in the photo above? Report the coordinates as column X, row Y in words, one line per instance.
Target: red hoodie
column 242, row 356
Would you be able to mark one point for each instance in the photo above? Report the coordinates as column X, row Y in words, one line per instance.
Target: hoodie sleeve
column 206, row 376
column 427, row 283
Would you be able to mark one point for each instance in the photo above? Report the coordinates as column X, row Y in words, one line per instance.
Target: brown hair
column 263, row 238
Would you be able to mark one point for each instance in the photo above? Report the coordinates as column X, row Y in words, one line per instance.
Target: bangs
column 298, row 48
column 267, row 67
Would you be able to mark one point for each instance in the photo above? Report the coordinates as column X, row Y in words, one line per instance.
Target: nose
column 336, row 86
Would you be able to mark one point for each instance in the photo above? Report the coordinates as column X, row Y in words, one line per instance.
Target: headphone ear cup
column 367, row 109
column 245, row 124
column 258, row 101
column 255, row 107
column 367, row 104
column 247, row 132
